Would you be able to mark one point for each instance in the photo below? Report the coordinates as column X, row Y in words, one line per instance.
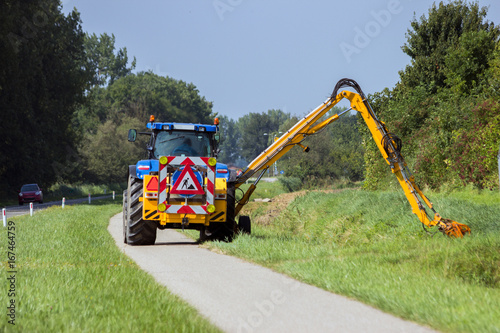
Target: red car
column 30, row 193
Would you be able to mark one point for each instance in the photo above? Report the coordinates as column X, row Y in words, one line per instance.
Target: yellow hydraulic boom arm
column 388, row 144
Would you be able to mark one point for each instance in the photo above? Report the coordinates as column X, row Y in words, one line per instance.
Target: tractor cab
column 176, row 139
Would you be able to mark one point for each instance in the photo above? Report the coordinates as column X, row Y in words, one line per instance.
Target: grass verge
column 264, row 190
column 368, row 246
column 71, row 277
column 58, row 191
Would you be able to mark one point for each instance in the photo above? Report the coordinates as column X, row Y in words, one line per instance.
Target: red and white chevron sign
column 186, row 183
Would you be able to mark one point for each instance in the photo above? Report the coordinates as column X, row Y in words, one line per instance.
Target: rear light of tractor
column 151, row 195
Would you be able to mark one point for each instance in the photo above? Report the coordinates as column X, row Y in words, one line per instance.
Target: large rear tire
column 125, row 216
column 137, row 231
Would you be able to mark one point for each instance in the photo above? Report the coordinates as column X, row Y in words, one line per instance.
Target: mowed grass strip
column 71, row 277
column 368, row 246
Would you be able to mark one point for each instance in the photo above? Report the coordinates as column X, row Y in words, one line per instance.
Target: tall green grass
column 263, row 190
column 71, row 277
column 368, row 246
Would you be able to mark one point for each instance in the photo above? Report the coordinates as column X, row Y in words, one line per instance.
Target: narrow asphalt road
column 238, row 296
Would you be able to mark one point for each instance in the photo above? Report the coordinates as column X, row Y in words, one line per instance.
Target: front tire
column 137, row 231
column 244, row 224
column 228, row 228
column 204, row 234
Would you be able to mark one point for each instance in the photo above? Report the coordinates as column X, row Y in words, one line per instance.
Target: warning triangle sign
column 187, row 183
column 152, row 185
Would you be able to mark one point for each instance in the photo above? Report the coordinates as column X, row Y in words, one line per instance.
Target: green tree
column 106, row 64
column 493, row 74
column 432, row 38
column 451, row 52
column 335, row 153
column 257, row 131
column 466, row 65
column 230, row 136
column 168, row 99
column 141, row 95
column 473, row 152
column 107, row 153
column 129, row 101
column 43, row 79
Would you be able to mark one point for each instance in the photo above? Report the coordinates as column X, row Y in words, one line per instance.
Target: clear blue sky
column 255, row 55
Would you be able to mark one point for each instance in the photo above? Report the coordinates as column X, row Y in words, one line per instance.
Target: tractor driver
column 185, row 149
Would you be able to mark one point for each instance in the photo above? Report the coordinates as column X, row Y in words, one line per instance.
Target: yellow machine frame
column 150, row 207
column 388, row 147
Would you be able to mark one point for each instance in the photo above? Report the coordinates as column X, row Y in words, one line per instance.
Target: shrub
column 291, row 184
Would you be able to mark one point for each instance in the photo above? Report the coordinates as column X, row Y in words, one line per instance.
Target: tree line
column 67, row 99
column 43, row 79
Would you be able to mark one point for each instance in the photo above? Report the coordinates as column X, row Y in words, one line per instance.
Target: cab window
column 182, row 143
